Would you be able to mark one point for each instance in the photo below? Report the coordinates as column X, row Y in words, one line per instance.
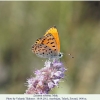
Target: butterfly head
column 60, row 55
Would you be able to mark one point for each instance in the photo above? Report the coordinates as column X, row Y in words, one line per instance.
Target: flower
column 46, row 78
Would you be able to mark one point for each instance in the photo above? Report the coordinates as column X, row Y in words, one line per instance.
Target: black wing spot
column 38, row 39
column 52, row 42
column 43, row 53
column 48, row 39
column 36, row 42
column 43, row 40
column 32, row 46
column 49, row 34
column 45, row 47
column 45, row 50
column 40, row 44
column 47, row 42
column 49, row 49
column 53, row 46
column 35, row 48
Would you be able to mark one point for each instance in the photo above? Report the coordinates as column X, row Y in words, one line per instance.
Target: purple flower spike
column 46, row 78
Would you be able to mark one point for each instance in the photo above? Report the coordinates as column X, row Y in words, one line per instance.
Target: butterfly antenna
column 70, row 55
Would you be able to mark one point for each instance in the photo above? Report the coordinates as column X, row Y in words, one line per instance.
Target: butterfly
column 49, row 45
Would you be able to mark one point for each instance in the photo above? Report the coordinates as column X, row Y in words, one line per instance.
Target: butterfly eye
column 60, row 55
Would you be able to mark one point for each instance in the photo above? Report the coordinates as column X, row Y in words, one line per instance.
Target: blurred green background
column 78, row 23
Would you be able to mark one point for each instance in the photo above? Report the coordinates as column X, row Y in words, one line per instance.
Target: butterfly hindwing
column 43, row 51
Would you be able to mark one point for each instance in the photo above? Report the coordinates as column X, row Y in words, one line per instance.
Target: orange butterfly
column 49, row 45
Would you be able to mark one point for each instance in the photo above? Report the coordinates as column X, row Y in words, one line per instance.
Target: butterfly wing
column 49, row 45
column 54, row 32
column 45, row 47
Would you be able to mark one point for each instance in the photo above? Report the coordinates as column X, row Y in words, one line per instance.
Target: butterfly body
column 48, row 46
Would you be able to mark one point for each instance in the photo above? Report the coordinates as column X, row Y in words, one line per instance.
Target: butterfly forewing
column 53, row 30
